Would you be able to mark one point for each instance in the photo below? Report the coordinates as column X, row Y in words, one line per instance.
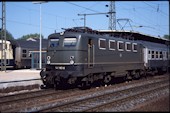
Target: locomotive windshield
column 54, row 42
column 70, row 41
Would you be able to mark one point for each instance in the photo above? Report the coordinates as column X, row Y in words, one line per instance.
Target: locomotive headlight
column 71, row 59
column 71, row 62
column 48, row 62
column 48, row 59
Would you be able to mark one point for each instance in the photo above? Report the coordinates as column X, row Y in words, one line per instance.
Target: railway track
column 20, row 96
column 28, row 99
column 125, row 103
column 99, row 102
column 50, row 100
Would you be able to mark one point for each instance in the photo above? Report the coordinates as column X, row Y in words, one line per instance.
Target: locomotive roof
column 136, row 36
column 116, row 33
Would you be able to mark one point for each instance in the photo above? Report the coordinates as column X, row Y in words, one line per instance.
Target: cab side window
column 134, row 47
column 90, row 43
column 120, row 45
column 102, row 43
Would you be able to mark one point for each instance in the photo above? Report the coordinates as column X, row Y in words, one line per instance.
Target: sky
column 23, row 18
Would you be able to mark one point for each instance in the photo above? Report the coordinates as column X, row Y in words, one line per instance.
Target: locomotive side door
column 90, row 53
column 145, row 56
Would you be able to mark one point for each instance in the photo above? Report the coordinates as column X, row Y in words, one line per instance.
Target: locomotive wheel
column 107, row 79
column 43, row 87
column 127, row 77
column 136, row 76
column 56, row 86
column 85, row 85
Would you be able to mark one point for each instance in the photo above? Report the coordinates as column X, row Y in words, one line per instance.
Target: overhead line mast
column 3, row 37
column 112, row 16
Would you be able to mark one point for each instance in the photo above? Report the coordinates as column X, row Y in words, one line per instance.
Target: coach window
column 156, row 54
column 153, row 54
column 70, row 41
column 161, row 55
column 134, row 47
column 128, row 46
column 112, row 44
column 149, row 54
column 102, row 43
column 120, row 45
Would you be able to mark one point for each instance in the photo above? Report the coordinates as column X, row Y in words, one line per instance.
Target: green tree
column 35, row 36
column 8, row 35
column 166, row 37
